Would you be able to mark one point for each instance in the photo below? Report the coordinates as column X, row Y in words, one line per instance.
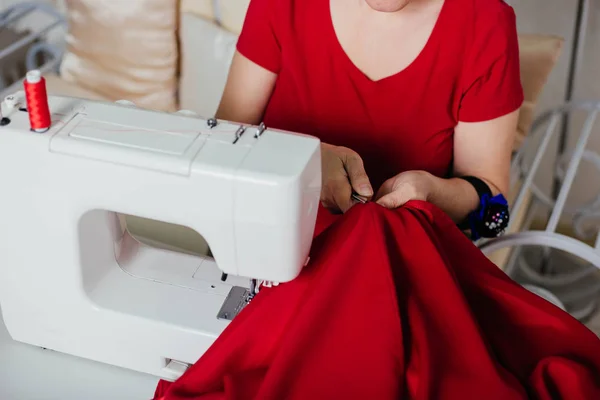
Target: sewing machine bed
column 32, row 373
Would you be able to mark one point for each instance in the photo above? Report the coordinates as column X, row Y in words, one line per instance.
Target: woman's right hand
column 342, row 172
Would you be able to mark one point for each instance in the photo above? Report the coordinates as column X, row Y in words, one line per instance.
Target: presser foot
column 239, row 297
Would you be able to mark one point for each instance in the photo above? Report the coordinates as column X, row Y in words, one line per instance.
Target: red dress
column 394, row 304
column 468, row 71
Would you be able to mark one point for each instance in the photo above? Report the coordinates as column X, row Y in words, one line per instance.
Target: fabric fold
column 396, row 304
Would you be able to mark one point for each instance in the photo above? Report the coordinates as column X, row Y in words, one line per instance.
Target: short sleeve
column 492, row 81
column 258, row 39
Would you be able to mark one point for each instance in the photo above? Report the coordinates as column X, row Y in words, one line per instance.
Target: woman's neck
column 384, row 6
column 383, row 11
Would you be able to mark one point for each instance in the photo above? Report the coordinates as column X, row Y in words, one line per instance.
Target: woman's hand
column 342, row 172
column 409, row 185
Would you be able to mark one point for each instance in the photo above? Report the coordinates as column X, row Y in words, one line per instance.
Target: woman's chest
column 323, row 96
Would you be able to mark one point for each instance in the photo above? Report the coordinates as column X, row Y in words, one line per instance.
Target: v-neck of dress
column 355, row 71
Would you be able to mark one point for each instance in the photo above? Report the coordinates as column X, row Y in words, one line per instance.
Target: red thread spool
column 37, row 101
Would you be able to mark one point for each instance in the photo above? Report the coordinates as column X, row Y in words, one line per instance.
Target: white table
column 32, row 373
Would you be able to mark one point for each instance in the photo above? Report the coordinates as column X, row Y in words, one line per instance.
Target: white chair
column 580, row 282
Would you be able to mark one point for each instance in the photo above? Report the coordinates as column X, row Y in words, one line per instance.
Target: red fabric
column 468, row 71
column 396, row 305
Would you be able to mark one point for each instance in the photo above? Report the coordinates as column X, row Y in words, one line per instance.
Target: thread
column 37, row 101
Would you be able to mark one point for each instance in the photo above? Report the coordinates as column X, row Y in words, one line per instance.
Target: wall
column 587, row 86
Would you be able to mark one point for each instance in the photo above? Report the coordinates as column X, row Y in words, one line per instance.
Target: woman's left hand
column 406, row 186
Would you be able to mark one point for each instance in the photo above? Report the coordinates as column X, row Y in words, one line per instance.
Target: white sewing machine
column 72, row 279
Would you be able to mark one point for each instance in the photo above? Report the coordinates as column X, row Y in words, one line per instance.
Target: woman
column 393, row 305
column 406, row 95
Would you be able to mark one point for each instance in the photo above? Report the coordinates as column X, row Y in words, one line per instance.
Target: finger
column 328, row 201
column 392, row 200
column 386, row 188
column 357, row 175
column 342, row 194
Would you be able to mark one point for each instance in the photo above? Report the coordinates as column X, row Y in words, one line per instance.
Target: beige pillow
column 57, row 86
column 229, row 14
column 539, row 54
column 124, row 50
